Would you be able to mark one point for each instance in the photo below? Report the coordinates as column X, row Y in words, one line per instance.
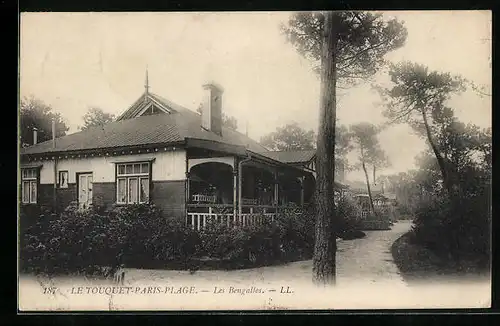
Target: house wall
column 170, row 196
column 167, row 166
column 167, row 186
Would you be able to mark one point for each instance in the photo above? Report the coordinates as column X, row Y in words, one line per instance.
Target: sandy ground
column 367, row 278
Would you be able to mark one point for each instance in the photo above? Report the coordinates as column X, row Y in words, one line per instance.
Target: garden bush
column 151, row 237
column 244, row 245
column 456, row 231
column 76, row 240
column 140, row 236
column 219, row 241
column 296, row 230
column 348, row 214
column 86, row 240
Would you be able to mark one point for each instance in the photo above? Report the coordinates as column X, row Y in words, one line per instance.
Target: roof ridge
column 295, row 150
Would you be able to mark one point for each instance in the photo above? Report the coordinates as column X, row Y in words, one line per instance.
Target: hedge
column 140, row 236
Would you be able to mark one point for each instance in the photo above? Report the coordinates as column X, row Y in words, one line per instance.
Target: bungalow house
column 190, row 165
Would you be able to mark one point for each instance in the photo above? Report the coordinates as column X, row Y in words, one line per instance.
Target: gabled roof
column 291, row 157
column 177, row 125
column 150, row 99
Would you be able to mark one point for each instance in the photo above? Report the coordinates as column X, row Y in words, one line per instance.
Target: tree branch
column 358, row 53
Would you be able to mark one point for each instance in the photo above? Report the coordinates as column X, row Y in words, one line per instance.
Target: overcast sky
column 73, row 61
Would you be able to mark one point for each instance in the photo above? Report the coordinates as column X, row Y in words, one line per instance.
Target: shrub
column 76, row 240
column 219, row 241
column 296, row 230
column 348, row 212
column 262, row 243
column 86, row 240
column 404, row 210
column 456, row 231
column 141, row 236
column 141, row 227
column 254, row 244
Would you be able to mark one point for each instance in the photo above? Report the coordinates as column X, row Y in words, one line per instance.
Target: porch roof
column 291, row 157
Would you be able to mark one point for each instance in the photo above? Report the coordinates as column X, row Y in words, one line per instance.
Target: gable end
column 142, row 106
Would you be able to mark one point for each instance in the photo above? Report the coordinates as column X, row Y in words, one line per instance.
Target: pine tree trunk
column 369, row 189
column 325, row 246
column 441, row 162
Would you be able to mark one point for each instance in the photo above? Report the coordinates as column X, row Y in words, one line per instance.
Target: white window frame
column 32, row 181
column 64, row 173
column 132, row 176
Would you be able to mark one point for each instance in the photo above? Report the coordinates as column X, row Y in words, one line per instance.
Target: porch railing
column 199, row 198
column 198, row 220
column 249, row 201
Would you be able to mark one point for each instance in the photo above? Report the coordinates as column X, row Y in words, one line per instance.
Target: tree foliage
column 364, row 39
column 418, row 96
column 96, row 117
column 343, row 145
column 34, row 113
column 457, row 229
column 453, row 210
column 464, row 148
column 365, row 141
column 415, row 89
column 407, row 187
column 290, row 137
column 293, row 137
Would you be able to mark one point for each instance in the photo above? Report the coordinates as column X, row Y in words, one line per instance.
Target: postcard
column 254, row 160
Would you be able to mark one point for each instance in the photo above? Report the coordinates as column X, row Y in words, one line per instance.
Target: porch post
column 276, row 187
column 240, row 181
column 301, row 180
column 55, row 185
column 187, row 187
column 235, row 192
column 187, row 200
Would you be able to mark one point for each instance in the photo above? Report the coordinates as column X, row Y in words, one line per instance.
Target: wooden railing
column 210, row 199
column 198, row 220
column 199, row 198
column 249, row 201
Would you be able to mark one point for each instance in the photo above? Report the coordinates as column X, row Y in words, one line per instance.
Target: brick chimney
column 35, row 135
column 211, row 111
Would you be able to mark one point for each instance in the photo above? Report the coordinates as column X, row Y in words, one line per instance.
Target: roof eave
column 301, row 162
column 275, row 162
column 234, row 150
column 215, row 146
column 103, row 149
